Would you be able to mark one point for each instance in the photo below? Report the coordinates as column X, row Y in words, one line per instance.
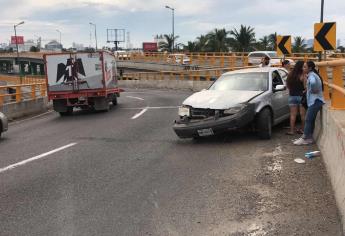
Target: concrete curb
column 25, row 108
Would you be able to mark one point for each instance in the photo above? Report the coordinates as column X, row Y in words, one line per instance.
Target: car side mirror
column 279, row 87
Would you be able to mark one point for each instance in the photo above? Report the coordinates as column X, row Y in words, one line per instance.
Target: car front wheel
column 264, row 124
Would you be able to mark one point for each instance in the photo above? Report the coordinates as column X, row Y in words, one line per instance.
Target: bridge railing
column 22, row 91
column 186, row 75
column 207, row 59
column 334, row 84
column 28, row 79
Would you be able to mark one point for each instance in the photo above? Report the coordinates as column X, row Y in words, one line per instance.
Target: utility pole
column 321, row 21
column 17, row 59
column 173, row 26
column 60, row 38
column 95, row 32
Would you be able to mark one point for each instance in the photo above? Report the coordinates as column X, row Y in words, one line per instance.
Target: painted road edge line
column 139, row 114
column 138, row 98
column 10, row 167
column 30, row 118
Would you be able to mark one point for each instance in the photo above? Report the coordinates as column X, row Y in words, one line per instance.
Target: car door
column 279, row 98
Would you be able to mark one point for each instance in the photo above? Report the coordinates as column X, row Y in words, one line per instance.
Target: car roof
column 264, row 52
column 253, row 70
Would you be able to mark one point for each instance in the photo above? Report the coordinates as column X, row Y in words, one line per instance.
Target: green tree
column 263, row 44
column 218, row 40
column 34, row 49
column 243, row 39
column 341, row 49
column 168, row 42
column 191, row 46
column 299, row 45
column 202, row 43
column 273, row 41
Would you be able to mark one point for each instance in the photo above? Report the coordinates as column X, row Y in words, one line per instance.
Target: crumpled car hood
column 219, row 100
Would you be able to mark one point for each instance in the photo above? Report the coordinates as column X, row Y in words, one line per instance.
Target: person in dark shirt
column 295, row 84
column 287, row 65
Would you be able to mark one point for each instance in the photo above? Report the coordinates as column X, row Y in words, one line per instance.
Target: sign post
column 325, row 36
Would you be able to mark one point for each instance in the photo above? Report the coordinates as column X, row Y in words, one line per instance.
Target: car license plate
column 205, row 132
column 183, row 111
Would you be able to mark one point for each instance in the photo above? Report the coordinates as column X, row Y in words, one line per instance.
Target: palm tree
column 299, row 45
column 243, row 39
column 202, row 43
column 191, row 46
column 264, row 43
column 218, row 41
column 273, row 41
column 168, row 42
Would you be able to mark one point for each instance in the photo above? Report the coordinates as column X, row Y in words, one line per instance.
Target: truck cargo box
column 81, row 80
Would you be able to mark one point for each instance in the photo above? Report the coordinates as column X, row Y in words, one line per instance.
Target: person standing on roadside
column 286, row 65
column 315, row 102
column 295, row 84
column 265, row 62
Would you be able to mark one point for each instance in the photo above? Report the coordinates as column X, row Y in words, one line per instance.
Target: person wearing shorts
column 295, row 84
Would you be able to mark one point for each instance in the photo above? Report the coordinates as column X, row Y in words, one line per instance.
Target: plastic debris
column 299, row 160
column 313, row 154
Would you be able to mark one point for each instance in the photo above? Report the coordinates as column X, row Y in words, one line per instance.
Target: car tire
column 114, row 101
column 68, row 112
column 264, row 124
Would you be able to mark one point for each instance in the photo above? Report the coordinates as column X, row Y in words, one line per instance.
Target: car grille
column 201, row 113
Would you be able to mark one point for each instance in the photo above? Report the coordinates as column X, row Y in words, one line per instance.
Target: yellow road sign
column 325, row 36
column 283, row 45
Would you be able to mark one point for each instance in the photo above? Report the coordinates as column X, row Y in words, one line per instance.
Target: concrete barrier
column 166, row 84
column 24, row 108
column 330, row 136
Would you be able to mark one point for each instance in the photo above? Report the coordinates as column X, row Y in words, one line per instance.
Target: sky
column 146, row 18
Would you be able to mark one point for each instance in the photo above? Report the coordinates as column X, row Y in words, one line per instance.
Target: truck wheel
column 264, row 124
column 114, row 101
column 68, row 112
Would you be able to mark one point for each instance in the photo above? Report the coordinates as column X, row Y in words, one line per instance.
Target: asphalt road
column 124, row 176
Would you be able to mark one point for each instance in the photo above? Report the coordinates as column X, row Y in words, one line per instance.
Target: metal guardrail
column 334, row 89
column 28, row 79
column 19, row 89
column 191, row 75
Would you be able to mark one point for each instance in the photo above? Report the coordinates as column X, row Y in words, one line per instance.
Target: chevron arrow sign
column 325, row 36
column 283, row 45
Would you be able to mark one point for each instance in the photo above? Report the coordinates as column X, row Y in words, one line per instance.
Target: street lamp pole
column 15, row 35
column 321, row 21
column 60, row 36
column 173, row 26
column 95, row 33
column 322, row 7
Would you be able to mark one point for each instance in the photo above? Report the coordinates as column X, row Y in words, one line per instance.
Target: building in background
column 78, row 46
column 53, row 46
column 28, row 44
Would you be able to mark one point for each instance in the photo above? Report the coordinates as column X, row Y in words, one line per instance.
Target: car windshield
column 255, row 81
column 272, row 54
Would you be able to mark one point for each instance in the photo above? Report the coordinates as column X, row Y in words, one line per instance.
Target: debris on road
column 299, row 161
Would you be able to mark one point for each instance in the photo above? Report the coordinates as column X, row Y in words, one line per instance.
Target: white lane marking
column 10, row 167
column 139, row 114
column 31, row 118
column 138, row 98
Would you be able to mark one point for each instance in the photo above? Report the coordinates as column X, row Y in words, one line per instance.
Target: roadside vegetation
column 242, row 39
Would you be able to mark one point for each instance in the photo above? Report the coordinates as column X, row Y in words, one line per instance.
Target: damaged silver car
column 256, row 97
